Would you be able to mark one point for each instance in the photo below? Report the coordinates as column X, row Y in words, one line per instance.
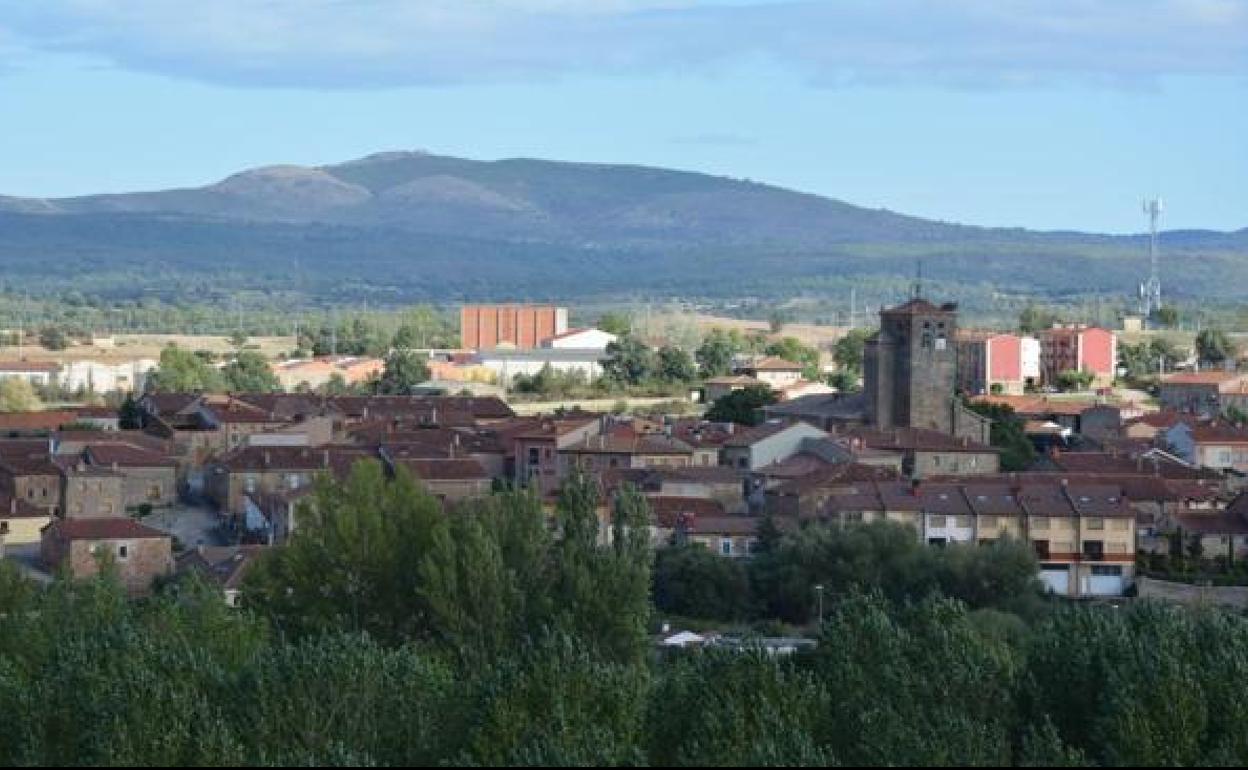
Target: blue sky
column 1054, row 114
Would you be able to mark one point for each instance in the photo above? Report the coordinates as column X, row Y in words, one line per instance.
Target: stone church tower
column 911, row 368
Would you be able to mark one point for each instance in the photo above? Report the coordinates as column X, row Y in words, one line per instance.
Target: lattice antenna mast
column 1150, row 290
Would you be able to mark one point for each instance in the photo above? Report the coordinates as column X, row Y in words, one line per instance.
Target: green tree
column 629, row 361
column 1213, row 346
column 1007, row 434
column 18, row 395
column 355, row 564
column 619, row 324
column 404, row 370
column 691, row 581
column 1167, row 317
column 1073, row 380
column 181, row 371
column 792, row 349
column 250, row 372
column 336, row 385
column 715, row 354
column 1033, row 319
column 848, row 351
column 53, row 338
column 675, row 365
column 743, row 407
column 129, row 415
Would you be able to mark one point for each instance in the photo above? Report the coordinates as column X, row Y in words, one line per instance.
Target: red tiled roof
column 774, row 364
column 1200, row 378
column 126, row 456
column 30, row 366
column 669, row 512
column 115, row 528
column 47, row 420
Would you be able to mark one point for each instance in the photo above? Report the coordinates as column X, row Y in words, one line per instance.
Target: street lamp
column 819, row 594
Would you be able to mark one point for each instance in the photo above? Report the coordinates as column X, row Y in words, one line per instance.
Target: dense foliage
column 391, row 632
column 1008, row 434
column 743, row 407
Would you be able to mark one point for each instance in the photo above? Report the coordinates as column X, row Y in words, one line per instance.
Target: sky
column 1047, row 114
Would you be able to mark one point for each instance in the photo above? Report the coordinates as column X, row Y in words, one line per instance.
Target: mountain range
column 402, row 226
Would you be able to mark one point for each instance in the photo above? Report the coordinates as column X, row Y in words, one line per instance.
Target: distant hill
column 408, row 225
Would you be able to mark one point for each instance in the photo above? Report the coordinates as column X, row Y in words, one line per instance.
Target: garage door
column 1105, row 581
column 1056, row 579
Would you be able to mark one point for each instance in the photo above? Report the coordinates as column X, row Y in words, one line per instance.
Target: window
column 964, row 522
column 1096, row 524
column 725, row 547
column 1101, row 570
column 1040, row 522
column 937, row 522
column 534, row 457
column 123, row 552
column 1094, row 549
column 987, row 522
column 1042, row 548
column 939, row 542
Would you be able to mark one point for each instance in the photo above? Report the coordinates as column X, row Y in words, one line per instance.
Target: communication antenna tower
column 1150, row 290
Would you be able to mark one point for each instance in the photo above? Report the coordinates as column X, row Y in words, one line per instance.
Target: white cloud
column 377, row 43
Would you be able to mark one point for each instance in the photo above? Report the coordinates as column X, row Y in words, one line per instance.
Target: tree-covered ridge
column 392, row 632
column 409, row 226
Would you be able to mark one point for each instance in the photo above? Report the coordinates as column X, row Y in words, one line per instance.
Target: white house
column 583, row 339
column 99, row 377
column 506, row 364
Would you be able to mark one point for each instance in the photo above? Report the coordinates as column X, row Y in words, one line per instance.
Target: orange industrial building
column 483, row 327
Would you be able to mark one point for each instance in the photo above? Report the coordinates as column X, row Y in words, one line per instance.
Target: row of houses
column 1011, row 364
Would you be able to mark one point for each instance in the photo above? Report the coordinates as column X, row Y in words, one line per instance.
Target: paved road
column 191, row 524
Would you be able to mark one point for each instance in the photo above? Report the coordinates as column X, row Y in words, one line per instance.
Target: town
column 629, row 383
column 1113, row 485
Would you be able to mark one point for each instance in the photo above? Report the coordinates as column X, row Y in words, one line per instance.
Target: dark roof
column 126, row 456
column 640, row 445
column 918, row 439
column 752, row 436
column 988, row 498
column 36, row 463
column 337, row 459
column 822, row 407
column 832, row 476
column 113, row 528
column 461, row 469
column 1227, row 522
column 224, row 565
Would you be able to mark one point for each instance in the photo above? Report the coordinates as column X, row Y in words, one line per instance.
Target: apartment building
column 1075, row 347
